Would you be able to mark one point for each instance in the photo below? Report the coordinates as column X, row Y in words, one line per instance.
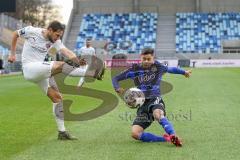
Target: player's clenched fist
column 188, row 73
column 120, row 90
column 12, row 58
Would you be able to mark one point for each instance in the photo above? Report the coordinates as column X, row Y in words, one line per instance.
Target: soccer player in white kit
column 38, row 43
column 88, row 53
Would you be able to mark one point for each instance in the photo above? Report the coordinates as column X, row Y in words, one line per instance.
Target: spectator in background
column 88, row 53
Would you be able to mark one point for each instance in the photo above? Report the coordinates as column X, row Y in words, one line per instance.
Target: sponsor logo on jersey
column 48, row 45
column 41, row 49
column 46, row 63
column 146, row 78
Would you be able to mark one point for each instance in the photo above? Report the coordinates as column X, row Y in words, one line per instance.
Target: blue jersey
column 147, row 80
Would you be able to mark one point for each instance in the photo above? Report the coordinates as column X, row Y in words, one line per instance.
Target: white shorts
column 39, row 73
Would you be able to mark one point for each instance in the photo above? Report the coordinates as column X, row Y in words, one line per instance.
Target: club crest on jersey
column 154, row 69
column 48, row 45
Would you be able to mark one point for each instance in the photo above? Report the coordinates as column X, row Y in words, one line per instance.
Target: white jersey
column 87, row 51
column 36, row 46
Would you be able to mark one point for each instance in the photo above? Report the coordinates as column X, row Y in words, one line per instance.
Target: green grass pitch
column 205, row 111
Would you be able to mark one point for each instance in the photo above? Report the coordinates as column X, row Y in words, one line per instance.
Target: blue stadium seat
column 3, row 50
column 138, row 28
column 203, row 32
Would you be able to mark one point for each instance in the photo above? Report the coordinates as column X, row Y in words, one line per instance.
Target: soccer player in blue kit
column 147, row 77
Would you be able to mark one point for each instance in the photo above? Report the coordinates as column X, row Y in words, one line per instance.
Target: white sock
column 59, row 115
column 81, row 81
column 82, row 78
column 74, row 71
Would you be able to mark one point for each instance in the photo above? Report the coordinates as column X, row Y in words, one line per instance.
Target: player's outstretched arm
column 175, row 70
column 188, row 73
column 122, row 76
column 12, row 56
column 115, row 83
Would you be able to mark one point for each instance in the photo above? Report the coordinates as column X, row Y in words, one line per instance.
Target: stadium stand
column 120, row 28
column 3, row 50
column 204, row 32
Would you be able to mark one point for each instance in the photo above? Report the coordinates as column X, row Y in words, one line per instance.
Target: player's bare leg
column 55, row 96
column 58, row 113
column 167, row 126
column 136, row 132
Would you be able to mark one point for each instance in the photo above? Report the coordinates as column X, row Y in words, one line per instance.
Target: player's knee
column 158, row 114
column 135, row 135
column 56, row 97
column 57, row 67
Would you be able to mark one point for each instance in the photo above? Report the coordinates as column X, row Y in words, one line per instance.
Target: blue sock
column 149, row 137
column 167, row 126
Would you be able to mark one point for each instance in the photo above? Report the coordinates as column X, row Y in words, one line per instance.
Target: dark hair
column 146, row 51
column 88, row 39
column 56, row 25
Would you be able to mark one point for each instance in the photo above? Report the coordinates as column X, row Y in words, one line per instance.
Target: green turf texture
column 205, row 111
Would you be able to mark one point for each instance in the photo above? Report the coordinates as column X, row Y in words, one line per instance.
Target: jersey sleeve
column 26, row 31
column 129, row 73
column 163, row 68
column 58, row 45
column 94, row 51
column 81, row 51
column 175, row 70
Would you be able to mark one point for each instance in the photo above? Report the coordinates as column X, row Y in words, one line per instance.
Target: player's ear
column 50, row 30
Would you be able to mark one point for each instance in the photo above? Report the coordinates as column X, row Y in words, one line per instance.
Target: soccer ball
column 134, row 97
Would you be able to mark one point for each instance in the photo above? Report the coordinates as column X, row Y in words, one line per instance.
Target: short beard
column 50, row 39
